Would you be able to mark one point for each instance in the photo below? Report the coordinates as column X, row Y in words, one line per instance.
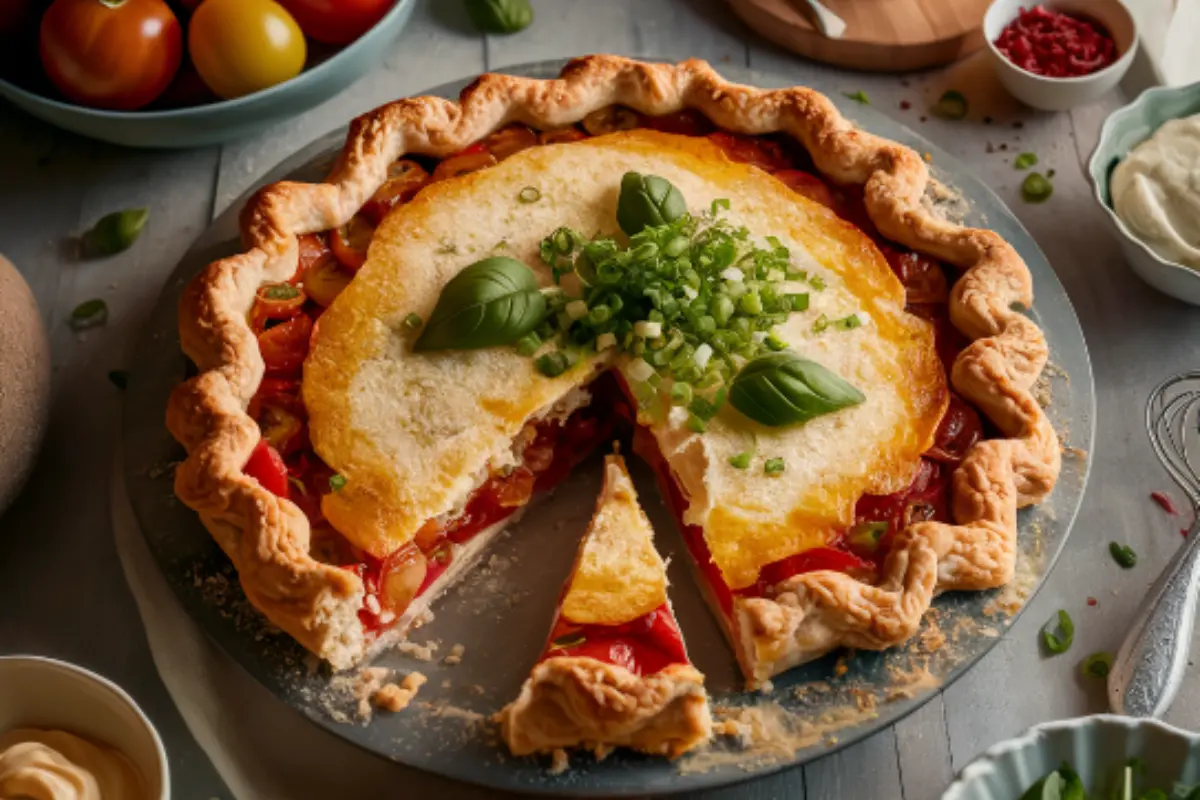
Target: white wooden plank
column 433, row 49
column 923, row 752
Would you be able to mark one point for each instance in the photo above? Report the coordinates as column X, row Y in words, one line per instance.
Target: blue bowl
column 1097, row 747
column 227, row 119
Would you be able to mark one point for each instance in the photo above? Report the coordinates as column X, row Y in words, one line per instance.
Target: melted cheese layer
column 412, row 432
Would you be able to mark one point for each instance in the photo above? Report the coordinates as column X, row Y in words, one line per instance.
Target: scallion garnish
column 337, row 482
column 1123, row 554
column 91, row 314
column 1025, row 161
column 1036, row 188
column 552, row 364
column 1055, row 643
column 530, row 194
column 1097, row 665
column 951, row 105
column 774, row 466
column 413, row 322
column 858, row 96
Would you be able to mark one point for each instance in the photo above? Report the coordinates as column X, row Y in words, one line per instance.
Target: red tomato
column 685, row 123
column 808, row 185
column 921, row 275
column 337, row 21
column 266, row 467
column 817, row 558
column 405, row 179
column 275, row 301
column 349, row 242
column 762, row 153
column 103, row 55
column 285, row 346
column 958, row 432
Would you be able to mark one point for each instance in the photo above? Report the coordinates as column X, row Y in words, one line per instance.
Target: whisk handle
column 1149, row 667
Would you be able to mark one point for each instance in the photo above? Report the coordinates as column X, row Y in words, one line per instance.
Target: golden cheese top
column 619, row 576
column 414, row 433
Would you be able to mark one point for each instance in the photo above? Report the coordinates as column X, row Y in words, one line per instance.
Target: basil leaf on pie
column 647, row 201
column 784, row 389
column 492, row 302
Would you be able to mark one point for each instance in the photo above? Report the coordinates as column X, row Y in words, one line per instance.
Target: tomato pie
column 614, row 672
column 831, row 382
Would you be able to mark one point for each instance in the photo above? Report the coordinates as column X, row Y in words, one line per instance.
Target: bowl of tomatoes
column 186, row 73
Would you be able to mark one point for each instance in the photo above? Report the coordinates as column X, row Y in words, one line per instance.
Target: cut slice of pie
column 615, row 672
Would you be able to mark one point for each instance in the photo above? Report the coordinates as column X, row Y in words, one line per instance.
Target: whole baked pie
column 831, row 382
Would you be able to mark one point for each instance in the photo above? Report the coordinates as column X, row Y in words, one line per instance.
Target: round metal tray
column 502, row 612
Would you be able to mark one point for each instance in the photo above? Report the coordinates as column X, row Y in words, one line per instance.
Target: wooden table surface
column 64, row 591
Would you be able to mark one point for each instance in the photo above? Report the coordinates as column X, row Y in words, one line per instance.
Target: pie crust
column 267, row 537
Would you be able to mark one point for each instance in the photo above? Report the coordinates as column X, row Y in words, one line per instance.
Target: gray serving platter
column 501, row 613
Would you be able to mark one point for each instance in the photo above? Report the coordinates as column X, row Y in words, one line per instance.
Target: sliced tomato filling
column 644, row 646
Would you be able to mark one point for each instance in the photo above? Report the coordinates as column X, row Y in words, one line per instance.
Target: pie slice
column 615, row 672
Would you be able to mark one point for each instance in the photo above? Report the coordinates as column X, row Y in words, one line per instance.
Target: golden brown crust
column 581, row 702
column 267, row 538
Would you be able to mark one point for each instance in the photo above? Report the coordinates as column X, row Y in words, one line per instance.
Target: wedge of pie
column 614, row 672
column 405, row 354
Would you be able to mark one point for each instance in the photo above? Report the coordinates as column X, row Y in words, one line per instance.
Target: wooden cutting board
column 881, row 35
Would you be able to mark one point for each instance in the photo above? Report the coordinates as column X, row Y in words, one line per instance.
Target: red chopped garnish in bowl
column 1056, row 45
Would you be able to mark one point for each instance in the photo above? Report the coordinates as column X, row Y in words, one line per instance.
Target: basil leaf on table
column 648, row 200
column 784, row 389
column 500, row 16
column 492, row 302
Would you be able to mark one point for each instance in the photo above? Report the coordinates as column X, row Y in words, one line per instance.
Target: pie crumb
column 366, row 686
column 455, row 655
column 559, row 762
column 393, row 697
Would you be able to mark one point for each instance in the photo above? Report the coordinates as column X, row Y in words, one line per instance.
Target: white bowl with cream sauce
column 69, row 734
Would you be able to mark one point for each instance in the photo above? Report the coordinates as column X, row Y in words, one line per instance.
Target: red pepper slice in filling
column 643, row 646
column 266, row 466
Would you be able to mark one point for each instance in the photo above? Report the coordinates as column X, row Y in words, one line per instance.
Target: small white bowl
column 45, row 693
column 1096, row 747
column 1060, row 94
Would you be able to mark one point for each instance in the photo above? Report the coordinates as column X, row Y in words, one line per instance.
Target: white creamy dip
column 1156, row 191
column 56, row 765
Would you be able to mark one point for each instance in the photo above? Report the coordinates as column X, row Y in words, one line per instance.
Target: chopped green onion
column 577, row 309
column 280, row 291
column 552, row 364
column 91, row 314
column 817, row 282
column 821, row 324
column 647, row 330
column 681, row 394
column 529, row 344
column 702, row 355
column 413, row 322
column 721, row 203
column 866, row 535
column 1097, row 665
column 1123, row 555
column 676, row 247
column 859, row 96
column 799, row 302
column 1059, row 644
column 696, row 425
column 773, row 342
column 639, row 370
column 1036, row 188
column 951, row 105
column 722, row 309
column 337, row 482
column 741, row 460
column 751, row 303
column 1025, row 161
column 774, row 466
column 847, row 323
column 605, row 340
column 530, row 194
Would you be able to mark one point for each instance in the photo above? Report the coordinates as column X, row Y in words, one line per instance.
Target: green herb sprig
column 1056, row 643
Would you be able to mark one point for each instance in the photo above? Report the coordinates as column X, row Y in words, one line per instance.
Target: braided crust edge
column 267, row 538
column 581, row 702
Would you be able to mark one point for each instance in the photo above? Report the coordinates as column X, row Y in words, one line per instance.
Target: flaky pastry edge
column 578, row 702
column 267, row 537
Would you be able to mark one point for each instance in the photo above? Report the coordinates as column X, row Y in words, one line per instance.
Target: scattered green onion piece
column 774, row 466
column 799, row 302
column 413, row 322
column 1025, row 161
column 1123, row 555
column 1059, row 644
column 773, row 342
column 751, row 303
column 681, row 394
column 741, row 460
column 696, row 425
column 859, row 97
column 817, row 282
column 552, row 364
column 847, row 323
column 530, row 194
column 677, row 247
column 1036, row 188
column 337, row 482
column 821, row 323
column 90, row 314
column 951, row 105
column 605, row 340
column 866, row 535
column 1097, row 665
column 529, row 344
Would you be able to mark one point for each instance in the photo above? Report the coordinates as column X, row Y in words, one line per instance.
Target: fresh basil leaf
column 647, row 200
column 492, row 302
column 500, row 16
column 115, row 232
column 784, row 389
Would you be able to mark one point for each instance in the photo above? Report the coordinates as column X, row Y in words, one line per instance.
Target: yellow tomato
column 242, row 46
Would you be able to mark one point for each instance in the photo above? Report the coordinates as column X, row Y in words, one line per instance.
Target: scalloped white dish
column 1097, row 747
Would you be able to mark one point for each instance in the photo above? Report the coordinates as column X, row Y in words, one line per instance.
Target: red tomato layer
column 644, row 646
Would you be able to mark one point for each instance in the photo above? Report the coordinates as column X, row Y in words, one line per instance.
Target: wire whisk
column 1148, row 669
